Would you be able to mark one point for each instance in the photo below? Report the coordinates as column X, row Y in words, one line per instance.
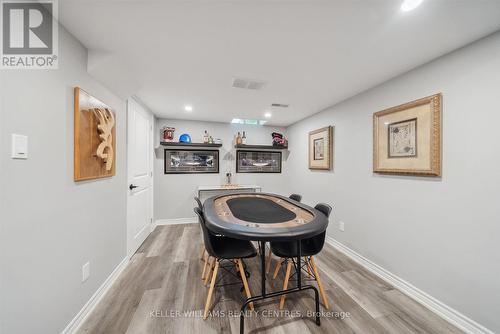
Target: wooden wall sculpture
column 95, row 138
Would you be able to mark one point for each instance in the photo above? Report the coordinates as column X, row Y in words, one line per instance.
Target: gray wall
column 50, row 225
column 441, row 235
column 174, row 193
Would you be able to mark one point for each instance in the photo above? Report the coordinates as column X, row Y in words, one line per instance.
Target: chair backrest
column 208, row 238
column 324, row 208
column 295, row 197
column 317, row 242
column 198, row 202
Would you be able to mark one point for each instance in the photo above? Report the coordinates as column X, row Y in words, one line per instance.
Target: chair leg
column 244, row 279
column 320, row 284
column 278, row 266
column 268, row 264
column 210, row 264
column 211, row 290
column 308, row 267
column 204, row 267
column 285, row 283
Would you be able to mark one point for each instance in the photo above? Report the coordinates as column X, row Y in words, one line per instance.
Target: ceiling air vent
column 248, row 84
column 279, row 105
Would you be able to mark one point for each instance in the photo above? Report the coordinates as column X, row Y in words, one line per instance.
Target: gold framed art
column 94, row 138
column 321, row 148
column 407, row 138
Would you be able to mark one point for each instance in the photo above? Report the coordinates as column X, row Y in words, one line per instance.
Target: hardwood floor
column 164, row 277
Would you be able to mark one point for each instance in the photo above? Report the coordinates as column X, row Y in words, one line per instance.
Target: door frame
column 133, row 99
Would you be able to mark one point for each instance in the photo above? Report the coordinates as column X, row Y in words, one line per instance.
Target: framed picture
column 407, row 138
column 258, row 161
column 321, row 148
column 191, row 161
column 94, row 138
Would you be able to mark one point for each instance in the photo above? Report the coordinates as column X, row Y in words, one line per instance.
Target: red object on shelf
column 279, row 140
column 168, row 134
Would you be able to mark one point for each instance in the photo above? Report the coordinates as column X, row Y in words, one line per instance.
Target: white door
column 140, row 174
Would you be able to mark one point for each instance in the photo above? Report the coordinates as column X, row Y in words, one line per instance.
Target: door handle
column 132, row 186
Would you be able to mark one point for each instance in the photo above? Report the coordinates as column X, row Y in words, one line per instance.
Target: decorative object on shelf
column 167, row 134
column 244, row 139
column 185, row 138
column 258, row 162
column 407, row 138
column 279, row 140
column 238, row 139
column 191, row 161
column 218, row 141
column 94, row 138
column 321, row 148
column 205, row 137
column 228, row 178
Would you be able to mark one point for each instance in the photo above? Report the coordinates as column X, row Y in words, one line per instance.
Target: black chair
column 296, row 197
column 203, row 255
column 288, row 251
column 221, row 248
column 198, row 202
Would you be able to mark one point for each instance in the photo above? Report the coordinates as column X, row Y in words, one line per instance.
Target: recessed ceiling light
column 410, row 5
column 188, row 108
column 267, row 115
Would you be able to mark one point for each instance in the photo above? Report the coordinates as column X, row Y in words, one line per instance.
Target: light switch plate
column 19, row 146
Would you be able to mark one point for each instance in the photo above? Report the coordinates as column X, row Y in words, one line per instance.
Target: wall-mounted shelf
column 261, row 147
column 168, row 143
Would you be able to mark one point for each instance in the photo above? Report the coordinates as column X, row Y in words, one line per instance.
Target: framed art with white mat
column 321, row 148
column 407, row 138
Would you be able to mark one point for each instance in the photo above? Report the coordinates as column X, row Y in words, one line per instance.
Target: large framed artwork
column 407, row 138
column 191, row 161
column 321, row 148
column 94, row 138
column 258, row 161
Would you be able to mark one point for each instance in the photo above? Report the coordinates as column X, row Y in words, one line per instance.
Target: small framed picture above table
column 191, row 161
column 321, row 148
column 407, row 138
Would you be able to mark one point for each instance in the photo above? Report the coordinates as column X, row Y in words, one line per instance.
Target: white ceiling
column 311, row 53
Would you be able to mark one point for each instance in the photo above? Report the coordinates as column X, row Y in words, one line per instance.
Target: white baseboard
column 444, row 311
column 80, row 318
column 175, row 221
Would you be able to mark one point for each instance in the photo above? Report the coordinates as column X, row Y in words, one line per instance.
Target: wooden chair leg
column 210, row 264
column 308, row 267
column 268, row 264
column 320, row 284
column 285, row 283
column 205, row 267
column 211, row 290
column 278, row 266
column 245, row 283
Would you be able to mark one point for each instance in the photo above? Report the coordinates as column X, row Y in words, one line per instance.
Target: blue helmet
column 185, row 138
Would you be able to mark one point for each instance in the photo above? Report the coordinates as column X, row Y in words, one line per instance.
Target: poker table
column 265, row 217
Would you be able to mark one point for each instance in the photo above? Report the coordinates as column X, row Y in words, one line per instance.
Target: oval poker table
column 265, row 217
column 262, row 217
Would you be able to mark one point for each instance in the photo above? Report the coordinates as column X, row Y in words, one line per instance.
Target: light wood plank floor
column 164, row 277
